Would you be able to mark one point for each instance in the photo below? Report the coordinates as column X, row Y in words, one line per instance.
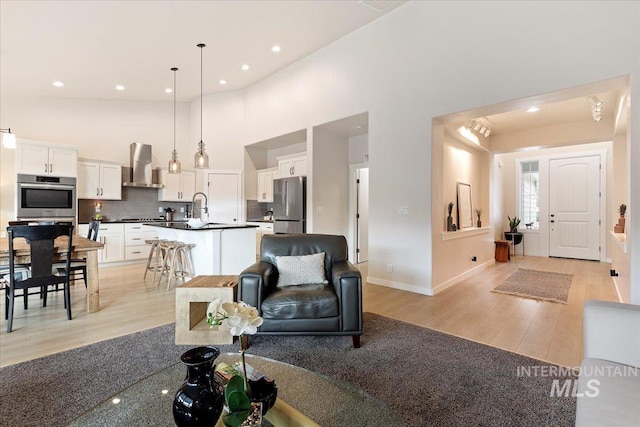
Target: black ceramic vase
column 200, row 399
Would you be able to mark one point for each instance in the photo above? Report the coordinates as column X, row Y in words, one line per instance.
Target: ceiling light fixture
column 223, row 82
column 168, row 90
column 8, row 138
column 119, row 87
column 596, row 108
column 174, row 163
column 58, row 83
column 201, row 158
column 276, row 48
column 481, row 125
column 533, row 109
column 245, row 67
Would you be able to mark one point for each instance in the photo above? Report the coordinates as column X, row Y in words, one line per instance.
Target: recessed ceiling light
column 276, row 48
column 168, row 90
column 58, row 83
column 245, row 67
column 223, row 82
column 119, row 87
column 532, row 109
column 357, row 126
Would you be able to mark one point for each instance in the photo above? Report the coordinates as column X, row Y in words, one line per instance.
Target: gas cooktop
column 143, row 220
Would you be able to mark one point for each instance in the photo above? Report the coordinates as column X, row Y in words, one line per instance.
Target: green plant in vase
column 479, row 213
column 237, row 401
column 242, row 319
column 513, row 224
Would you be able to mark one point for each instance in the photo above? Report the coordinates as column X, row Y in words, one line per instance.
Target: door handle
column 97, row 191
column 552, row 221
column 45, row 167
column 101, row 192
column 50, row 167
column 552, row 215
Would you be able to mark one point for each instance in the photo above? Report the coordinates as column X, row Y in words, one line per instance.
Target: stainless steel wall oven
column 46, row 197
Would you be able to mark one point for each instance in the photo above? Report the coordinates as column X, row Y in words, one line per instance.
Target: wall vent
column 380, row 5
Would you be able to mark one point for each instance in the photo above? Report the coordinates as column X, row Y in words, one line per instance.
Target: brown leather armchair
column 334, row 308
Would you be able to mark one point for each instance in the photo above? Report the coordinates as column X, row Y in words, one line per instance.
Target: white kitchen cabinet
column 292, row 165
column 135, row 236
column 99, row 180
column 263, row 228
column 265, row 184
column 112, row 236
column 178, row 187
column 46, row 159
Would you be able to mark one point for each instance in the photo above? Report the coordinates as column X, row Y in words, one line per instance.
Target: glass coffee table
column 305, row 398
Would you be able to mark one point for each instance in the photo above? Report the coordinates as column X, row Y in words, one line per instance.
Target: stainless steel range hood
column 141, row 174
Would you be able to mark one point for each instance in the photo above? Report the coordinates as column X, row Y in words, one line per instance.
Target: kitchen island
column 219, row 249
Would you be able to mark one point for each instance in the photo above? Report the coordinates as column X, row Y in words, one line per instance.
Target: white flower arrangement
column 242, row 319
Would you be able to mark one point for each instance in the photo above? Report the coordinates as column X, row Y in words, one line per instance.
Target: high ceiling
column 92, row 46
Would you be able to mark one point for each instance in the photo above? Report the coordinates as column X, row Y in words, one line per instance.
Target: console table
column 192, row 300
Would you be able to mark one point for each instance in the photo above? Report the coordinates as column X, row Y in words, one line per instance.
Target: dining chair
column 79, row 266
column 41, row 240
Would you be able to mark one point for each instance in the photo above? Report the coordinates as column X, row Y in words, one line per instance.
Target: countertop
column 181, row 225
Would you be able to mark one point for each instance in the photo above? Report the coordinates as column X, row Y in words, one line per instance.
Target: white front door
column 574, row 207
column 224, row 197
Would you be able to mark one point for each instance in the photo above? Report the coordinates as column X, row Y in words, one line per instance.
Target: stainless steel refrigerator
column 290, row 205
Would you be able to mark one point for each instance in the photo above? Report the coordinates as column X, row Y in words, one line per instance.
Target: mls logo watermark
column 564, row 379
column 569, row 388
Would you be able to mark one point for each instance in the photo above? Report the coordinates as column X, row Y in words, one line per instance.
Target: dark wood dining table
column 81, row 247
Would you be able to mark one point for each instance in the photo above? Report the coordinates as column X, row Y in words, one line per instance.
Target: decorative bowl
column 265, row 391
column 196, row 223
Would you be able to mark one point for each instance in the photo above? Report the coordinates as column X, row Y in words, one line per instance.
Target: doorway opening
column 477, row 138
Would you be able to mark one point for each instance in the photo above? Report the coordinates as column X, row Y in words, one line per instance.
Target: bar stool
column 177, row 261
column 155, row 259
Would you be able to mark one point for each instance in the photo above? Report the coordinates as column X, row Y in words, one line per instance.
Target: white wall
column 330, row 182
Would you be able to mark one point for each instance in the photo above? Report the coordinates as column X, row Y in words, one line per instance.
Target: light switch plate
column 403, row 210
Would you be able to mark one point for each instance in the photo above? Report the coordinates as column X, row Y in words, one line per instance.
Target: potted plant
column 478, row 213
column 619, row 227
column 239, row 408
column 513, row 233
column 450, row 218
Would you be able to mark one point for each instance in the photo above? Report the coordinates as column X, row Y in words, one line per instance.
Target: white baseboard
column 441, row 287
column 401, row 286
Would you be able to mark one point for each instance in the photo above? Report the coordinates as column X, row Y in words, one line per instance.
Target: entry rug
column 540, row 285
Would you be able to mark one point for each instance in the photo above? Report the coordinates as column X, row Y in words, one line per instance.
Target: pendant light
column 201, row 158
column 8, row 138
column 174, row 163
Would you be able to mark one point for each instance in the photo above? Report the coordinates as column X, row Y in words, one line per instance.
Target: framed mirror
column 465, row 213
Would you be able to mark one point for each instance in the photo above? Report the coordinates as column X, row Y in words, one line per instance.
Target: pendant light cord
column 174, row 108
column 201, row 47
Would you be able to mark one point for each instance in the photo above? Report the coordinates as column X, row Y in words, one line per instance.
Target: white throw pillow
column 301, row 270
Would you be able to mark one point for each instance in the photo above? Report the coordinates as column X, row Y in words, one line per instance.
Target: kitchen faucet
column 193, row 203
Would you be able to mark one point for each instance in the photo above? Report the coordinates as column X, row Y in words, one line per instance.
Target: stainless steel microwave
column 46, row 197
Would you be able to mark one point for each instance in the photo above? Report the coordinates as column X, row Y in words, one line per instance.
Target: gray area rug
column 535, row 284
column 427, row 377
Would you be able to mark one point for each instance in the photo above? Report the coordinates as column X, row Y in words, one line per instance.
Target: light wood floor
column 542, row 330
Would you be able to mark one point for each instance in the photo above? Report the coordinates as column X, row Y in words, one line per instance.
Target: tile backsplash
column 135, row 203
column 257, row 210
